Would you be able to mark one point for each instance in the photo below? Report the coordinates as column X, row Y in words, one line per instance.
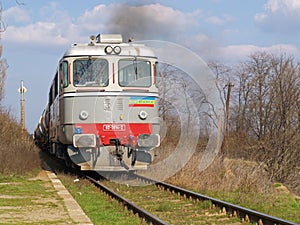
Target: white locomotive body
column 102, row 112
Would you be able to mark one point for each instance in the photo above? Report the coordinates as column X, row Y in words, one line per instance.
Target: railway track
column 128, row 204
column 246, row 215
column 156, row 206
column 191, row 204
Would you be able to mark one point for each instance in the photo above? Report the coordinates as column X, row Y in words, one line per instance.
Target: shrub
column 18, row 154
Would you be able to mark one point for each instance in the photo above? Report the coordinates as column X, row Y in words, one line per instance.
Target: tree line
column 264, row 112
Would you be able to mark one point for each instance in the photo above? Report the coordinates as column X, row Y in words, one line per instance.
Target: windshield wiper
column 135, row 64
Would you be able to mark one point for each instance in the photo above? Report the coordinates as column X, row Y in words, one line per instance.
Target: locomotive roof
column 98, row 48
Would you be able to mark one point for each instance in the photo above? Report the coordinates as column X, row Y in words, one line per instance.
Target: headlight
column 83, row 115
column 84, row 140
column 117, row 50
column 143, row 115
column 108, row 49
column 148, row 140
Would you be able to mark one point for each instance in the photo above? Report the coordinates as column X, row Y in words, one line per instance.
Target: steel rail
column 129, row 205
column 241, row 212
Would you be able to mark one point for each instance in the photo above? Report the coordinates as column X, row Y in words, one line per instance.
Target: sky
column 37, row 33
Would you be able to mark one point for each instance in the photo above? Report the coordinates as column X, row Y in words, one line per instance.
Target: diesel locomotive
column 102, row 110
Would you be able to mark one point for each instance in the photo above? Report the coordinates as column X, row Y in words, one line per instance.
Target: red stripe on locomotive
column 121, row 131
column 141, row 105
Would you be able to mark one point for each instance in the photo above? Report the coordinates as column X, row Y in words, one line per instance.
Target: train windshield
column 90, row 73
column 134, row 73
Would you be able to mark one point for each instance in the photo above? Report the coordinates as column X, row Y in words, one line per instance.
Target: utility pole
column 22, row 90
column 229, row 86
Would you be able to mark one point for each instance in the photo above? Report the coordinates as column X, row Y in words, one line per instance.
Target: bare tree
column 223, row 78
column 283, row 120
column 3, row 63
column 267, row 110
column 182, row 97
column 165, row 86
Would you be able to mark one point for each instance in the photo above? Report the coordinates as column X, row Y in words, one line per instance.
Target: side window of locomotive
column 55, row 87
column 50, row 96
column 90, row 73
column 134, row 73
column 63, row 74
column 156, row 75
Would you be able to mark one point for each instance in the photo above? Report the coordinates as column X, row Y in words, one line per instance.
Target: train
column 102, row 109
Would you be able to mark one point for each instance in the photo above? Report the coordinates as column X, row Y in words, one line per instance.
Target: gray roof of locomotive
column 97, row 48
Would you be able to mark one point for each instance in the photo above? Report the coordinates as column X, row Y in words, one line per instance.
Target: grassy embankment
column 28, row 198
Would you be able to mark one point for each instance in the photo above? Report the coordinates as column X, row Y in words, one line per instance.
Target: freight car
column 102, row 110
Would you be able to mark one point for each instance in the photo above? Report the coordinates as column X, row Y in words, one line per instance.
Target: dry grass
column 224, row 175
column 239, row 170
column 233, row 173
column 18, row 153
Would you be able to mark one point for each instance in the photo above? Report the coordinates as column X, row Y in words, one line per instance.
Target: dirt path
column 41, row 200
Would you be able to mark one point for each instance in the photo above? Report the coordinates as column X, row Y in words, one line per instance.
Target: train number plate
column 114, row 127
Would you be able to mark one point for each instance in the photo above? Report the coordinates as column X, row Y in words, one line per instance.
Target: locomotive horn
column 93, row 39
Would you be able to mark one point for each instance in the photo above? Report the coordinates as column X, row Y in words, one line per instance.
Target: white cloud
column 40, row 33
column 95, row 19
column 280, row 16
column 15, row 15
column 282, row 5
column 150, row 22
column 236, row 53
column 153, row 21
column 56, row 30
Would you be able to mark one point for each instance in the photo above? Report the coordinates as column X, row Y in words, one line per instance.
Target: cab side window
column 64, row 74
